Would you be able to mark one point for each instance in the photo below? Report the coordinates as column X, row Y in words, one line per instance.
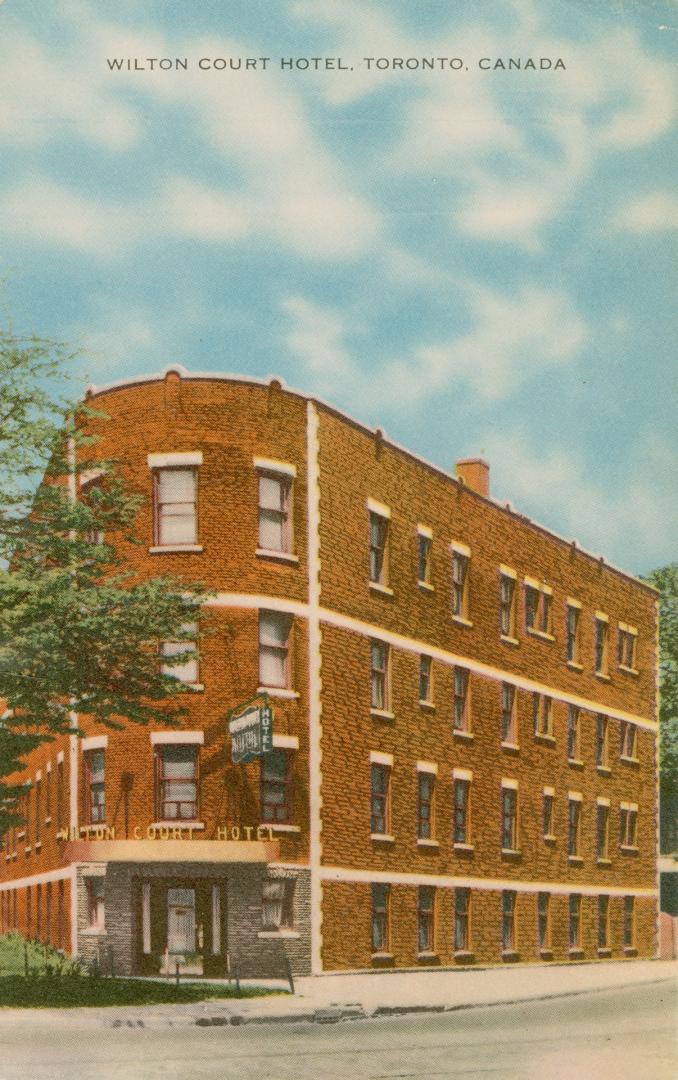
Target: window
column 574, row 827
column 601, row 631
column 627, row 636
column 603, row 830
column 425, row 679
column 38, row 808
column 509, row 732
column 425, row 919
column 378, row 549
column 542, row 715
column 462, row 710
column 424, row 545
column 274, row 636
column 508, row 920
column 275, row 519
column 507, row 605
column 425, row 805
column 95, row 903
column 575, row 921
column 60, row 794
column 462, row 923
column 176, row 782
column 509, row 818
column 277, row 904
column 573, row 633
column 95, row 787
column 629, row 922
column 175, row 500
column 544, row 920
column 276, row 787
column 573, row 733
column 460, row 565
column 380, row 806
column 602, row 741
column 379, row 675
column 603, row 922
column 380, row 919
column 548, row 814
column 627, row 740
column 628, row 825
column 187, row 670
column 48, row 795
column 462, row 793
column 537, row 607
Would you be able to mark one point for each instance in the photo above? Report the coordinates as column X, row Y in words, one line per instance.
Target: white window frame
column 379, row 515
column 601, row 641
column 165, row 463
column 461, row 573
column 540, row 620
column 283, row 475
column 278, row 649
column 508, row 605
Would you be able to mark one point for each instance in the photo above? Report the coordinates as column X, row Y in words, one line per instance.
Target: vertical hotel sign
column 251, row 729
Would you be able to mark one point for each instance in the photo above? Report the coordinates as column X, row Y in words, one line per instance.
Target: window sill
column 282, row 827
column 464, row 954
column 21, row 835
column 629, row 849
column 426, row 585
column 38, row 845
column 423, row 842
column 171, row 549
column 577, row 763
column 27, row 850
column 549, row 838
column 507, row 640
column 385, row 590
column 384, row 838
column 459, row 733
column 459, row 846
column 510, row 954
column 604, row 862
column 461, row 620
column 383, row 956
column 629, row 760
column 424, row 704
column 543, row 737
column 428, row 956
column 511, row 851
column 546, row 954
column 630, row 950
column 574, row 666
column 575, row 953
column 510, row 746
column 196, row 686
column 604, row 952
column 604, row 769
column 48, row 821
column 629, row 670
column 382, row 714
column 277, row 556
column 542, row 634
column 577, row 860
column 289, row 934
column 279, row 692
column 177, row 823
column 602, row 676
column 94, row 931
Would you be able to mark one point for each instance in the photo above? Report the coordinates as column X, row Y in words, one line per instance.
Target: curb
column 334, row 1014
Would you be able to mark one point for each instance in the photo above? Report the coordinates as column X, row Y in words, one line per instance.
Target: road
column 621, row 1035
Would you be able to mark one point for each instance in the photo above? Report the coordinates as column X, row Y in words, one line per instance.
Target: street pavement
column 617, row 1034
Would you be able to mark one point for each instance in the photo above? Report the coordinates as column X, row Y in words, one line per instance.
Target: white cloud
column 650, row 213
column 47, row 213
column 630, row 524
column 190, row 209
column 511, row 341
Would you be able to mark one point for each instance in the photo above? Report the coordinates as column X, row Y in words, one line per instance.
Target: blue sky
column 477, row 261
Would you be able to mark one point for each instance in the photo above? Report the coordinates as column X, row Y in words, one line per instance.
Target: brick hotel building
column 464, row 733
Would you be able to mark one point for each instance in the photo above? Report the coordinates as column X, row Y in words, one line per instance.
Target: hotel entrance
column 183, row 927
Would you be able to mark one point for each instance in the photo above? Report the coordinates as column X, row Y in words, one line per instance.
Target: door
column 181, row 921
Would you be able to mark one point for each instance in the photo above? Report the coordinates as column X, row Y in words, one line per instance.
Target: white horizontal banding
column 575, row 796
column 377, row 758
column 168, row 461
column 506, row 571
column 271, row 465
column 286, row 742
column 340, row 873
column 376, row 507
column 463, row 774
column 461, row 549
column 248, row 601
column 167, row 738
column 64, row 874
column 549, row 791
column 93, row 871
column 425, row 530
column 602, row 801
column 572, row 603
column 95, row 742
column 509, row 783
column 427, row 767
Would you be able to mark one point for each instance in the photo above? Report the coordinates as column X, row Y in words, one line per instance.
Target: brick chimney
column 475, row 473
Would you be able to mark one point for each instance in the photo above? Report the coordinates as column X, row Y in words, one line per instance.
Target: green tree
column 79, row 635
column 666, row 580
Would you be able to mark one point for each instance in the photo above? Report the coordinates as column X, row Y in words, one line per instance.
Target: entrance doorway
column 182, row 923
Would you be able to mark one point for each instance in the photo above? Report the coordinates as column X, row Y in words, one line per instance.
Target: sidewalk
column 331, row 998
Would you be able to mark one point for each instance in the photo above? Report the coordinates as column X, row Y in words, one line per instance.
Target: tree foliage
column 666, row 580
column 79, row 635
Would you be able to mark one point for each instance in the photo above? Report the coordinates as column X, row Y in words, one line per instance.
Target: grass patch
column 55, row 981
